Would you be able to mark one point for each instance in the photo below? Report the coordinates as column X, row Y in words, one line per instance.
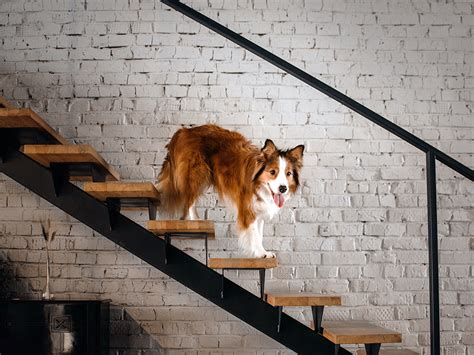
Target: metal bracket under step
column 168, row 236
column 114, row 206
column 152, row 211
column 97, row 174
column 60, row 174
column 317, row 318
column 8, row 142
column 370, row 349
column 262, row 281
column 3, row 152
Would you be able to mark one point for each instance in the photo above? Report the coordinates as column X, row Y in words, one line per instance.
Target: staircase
column 37, row 157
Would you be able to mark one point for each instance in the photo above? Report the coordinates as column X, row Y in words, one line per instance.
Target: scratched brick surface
column 123, row 75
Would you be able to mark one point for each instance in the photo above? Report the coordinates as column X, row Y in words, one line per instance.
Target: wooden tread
column 358, row 332
column 390, row 352
column 47, row 154
column 242, row 263
column 302, row 299
column 182, row 226
column 4, row 103
column 27, row 118
column 122, row 190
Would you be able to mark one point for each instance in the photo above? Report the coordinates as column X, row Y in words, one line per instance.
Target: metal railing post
column 433, row 252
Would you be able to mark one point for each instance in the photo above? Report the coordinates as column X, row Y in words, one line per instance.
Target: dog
column 257, row 182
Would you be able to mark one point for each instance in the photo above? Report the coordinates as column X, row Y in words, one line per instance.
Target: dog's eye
column 289, row 173
column 272, row 172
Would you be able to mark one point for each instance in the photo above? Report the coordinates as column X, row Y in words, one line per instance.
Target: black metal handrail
column 432, row 153
column 320, row 86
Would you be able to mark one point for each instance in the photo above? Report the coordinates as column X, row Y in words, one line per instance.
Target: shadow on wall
column 128, row 337
column 10, row 285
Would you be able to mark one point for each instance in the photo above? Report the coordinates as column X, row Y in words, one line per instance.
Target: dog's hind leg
column 193, row 179
column 192, row 213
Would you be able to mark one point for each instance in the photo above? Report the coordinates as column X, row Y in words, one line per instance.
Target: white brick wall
column 123, row 75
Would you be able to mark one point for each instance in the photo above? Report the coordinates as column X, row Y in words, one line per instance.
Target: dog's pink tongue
column 279, row 200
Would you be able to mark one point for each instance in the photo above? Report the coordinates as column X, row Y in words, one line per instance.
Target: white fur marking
column 281, row 179
column 251, row 239
column 192, row 213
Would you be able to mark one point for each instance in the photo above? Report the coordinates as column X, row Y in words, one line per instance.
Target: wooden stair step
column 123, row 190
column 161, row 227
column 302, row 299
column 4, row 103
column 26, row 118
column 70, row 154
column 242, row 263
column 358, row 332
column 390, row 352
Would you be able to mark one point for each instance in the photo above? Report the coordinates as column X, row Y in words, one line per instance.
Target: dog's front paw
column 269, row 254
column 259, row 253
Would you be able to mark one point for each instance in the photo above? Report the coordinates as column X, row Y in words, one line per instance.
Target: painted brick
column 123, row 76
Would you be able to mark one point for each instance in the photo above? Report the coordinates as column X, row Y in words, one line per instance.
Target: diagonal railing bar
column 151, row 249
column 432, row 153
column 320, row 86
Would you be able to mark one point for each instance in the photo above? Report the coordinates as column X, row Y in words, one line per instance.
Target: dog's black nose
column 282, row 189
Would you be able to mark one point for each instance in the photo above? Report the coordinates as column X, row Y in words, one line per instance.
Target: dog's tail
column 171, row 201
column 185, row 174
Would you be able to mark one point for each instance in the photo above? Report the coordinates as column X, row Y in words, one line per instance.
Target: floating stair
column 189, row 229
column 243, row 263
column 302, row 299
column 34, row 130
column 359, row 332
column 315, row 301
column 80, row 162
column 126, row 195
column 183, row 229
column 260, row 264
column 391, row 352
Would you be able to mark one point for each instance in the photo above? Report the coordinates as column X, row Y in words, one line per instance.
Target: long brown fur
column 209, row 155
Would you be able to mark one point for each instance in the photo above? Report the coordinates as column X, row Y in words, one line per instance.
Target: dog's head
column 281, row 170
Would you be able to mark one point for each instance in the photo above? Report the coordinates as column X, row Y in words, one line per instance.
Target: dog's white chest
column 264, row 206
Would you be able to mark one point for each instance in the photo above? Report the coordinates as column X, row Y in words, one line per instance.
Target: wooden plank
column 183, row 226
column 391, row 352
column 302, row 299
column 26, row 118
column 46, row 154
column 4, row 103
column 242, row 263
column 358, row 332
column 104, row 190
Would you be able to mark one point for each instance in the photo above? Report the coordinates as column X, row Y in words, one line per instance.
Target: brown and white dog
column 256, row 181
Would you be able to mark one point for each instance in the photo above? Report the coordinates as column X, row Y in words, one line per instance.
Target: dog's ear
column 296, row 153
column 269, row 148
column 259, row 166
